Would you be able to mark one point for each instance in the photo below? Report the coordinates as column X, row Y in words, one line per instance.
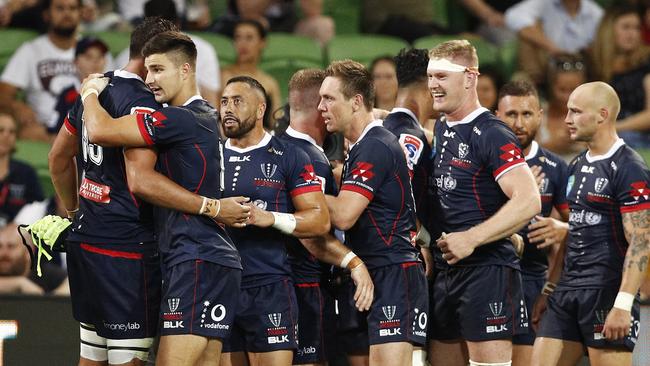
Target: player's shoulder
column 627, row 160
column 551, row 159
column 487, row 125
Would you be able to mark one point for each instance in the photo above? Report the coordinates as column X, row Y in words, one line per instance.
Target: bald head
column 600, row 97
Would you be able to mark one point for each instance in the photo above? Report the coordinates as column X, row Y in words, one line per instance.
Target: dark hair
column 411, row 66
column 518, row 88
column 165, row 9
column 47, row 3
column 146, row 30
column 261, row 31
column 247, row 80
column 374, row 62
column 355, row 79
column 172, row 42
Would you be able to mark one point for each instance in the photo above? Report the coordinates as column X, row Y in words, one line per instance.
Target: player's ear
column 604, row 113
column 260, row 110
column 357, row 102
column 185, row 70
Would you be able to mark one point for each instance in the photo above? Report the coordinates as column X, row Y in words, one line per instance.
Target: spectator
column 249, row 41
column 621, row 59
column 407, row 19
column 314, row 24
column 134, row 10
column 42, row 68
column 89, row 58
column 489, row 83
column 491, row 24
column 384, row 76
column 95, row 18
column 207, row 62
column 564, row 76
column 550, row 28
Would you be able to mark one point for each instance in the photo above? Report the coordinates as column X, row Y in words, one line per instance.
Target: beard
column 242, row 128
column 64, row 31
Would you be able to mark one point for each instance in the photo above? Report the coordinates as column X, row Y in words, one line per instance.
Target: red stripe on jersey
column 354, row 188
column 563, row 206
column 409, row 264
column 143, row 129
column 639, row 207
column 310, row 284
column 305, row 189
column 205, row 165
column 111, row 253
column 507, row 166
column 68, row 126
column 476, row 195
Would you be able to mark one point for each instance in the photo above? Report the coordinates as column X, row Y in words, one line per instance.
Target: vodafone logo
column 218, row 313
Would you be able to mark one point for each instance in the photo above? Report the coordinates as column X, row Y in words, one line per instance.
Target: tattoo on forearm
column 637, row 230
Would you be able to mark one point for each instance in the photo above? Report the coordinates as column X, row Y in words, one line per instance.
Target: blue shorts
column 351, row 324
column 116, row 288
column 199, row 298
column 579, row 316
column 478, row 304
column 399, row 310
column 316, row 319
column 266, row 319
column 532, row 290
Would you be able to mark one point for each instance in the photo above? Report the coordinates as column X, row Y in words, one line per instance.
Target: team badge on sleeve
column 640, row 190
column 510, row 153
column 362, row 170
column 412, row 148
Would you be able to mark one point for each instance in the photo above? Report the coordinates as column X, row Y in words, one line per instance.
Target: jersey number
column 92, row 151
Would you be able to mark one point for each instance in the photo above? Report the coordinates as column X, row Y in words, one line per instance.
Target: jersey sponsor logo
column 497, row 322
column 306, row 351
column 449, row 134
column 412, row 148
column 446, row 182
column 420, row 323
column 94, row 191
column 613, row 165
column 216, row 313
column 276, row 334
column 173, row 319
column 142, row 110
column 588, row 217
column 274, row 151
column 523, row 314
column 510, row 153
column 239, row 159
column 639, row 189
column 587, row 169
column 260, row 203
column 600, row 184
column 463, row 150
column 476, row 130
column 122, row 327
column 391, row 326
column 268, row 169
column 363, row 170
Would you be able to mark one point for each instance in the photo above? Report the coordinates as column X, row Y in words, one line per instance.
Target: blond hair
column 457, row 50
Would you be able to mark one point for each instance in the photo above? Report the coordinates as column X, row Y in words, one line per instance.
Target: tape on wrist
column 548, row 288
column 423, row 237
column 284, row 222
column 210, row 207
column 88, row 92
column 347, row 259
column 624, row 301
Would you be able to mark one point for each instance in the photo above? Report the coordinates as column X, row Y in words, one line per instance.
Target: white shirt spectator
column 208, row 74
column 42, row 70
column 571, row 34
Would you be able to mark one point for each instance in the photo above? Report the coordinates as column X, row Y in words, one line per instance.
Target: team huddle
column 250, row 249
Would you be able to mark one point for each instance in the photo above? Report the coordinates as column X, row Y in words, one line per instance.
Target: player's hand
column 456, row 246
column 234, row 212
column 95, row 82
column 259, row 217
column 428, row 261
column 364, row 293
column 617, row 324
column 547, row 231
column 518, row 243
column 538, row 174
column 538, row 310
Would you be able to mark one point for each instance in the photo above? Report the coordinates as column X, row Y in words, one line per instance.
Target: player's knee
column 92, row 347
column 474, row 363
column 121, row 351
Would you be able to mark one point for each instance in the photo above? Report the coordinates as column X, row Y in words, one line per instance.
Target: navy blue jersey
column 470, row 157
column 552, row 190
column 189, row 153
column 600, row 189
column 305, row 268
column 20, row 187
column 108, row 212
column 64, row 102
column 376, row 168
column 403, row 124
column 270, row 173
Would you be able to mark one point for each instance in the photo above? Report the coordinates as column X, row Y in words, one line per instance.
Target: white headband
column 442, row 64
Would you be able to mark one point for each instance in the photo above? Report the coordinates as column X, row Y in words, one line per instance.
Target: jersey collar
column 303, row 136
column 404, row 110
column 375, row 123
column 469, row 118
column 534, row 149
column 617, row 145
column 192, row 98
column 127, row 75
column 263, row 142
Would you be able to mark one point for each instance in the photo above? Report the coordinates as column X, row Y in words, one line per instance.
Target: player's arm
column 310, row 219
column 346, row 208
column 330, row 250
column 156, row 188
column 636, row 225
column 63, row 169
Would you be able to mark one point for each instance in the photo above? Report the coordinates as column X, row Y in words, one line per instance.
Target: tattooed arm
column 636, row 225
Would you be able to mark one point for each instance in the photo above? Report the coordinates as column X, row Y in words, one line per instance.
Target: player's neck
column 408, row 101
column 464, row 110
column 64, row 43
column 252, row 138
column 309, row 129
column 188, row 90
column 602, row 142
column 136, row 66
column 361, row 121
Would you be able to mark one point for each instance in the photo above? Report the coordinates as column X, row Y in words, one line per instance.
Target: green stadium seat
column 441, row 13
column 346, row 15
column 35, row 154
column 363, row 47
column 116, row 41
column 11, row 40
column 488, row 54
column 222, row 44
column 508, row 57
column 281, row 46
column 283, row 69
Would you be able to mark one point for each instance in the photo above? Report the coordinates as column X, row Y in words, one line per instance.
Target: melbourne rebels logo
column 496, row 308
column 600, row 184
column 389, row 311
column 275, row 319
column 510, row 153
column 268, row 169
column 463, row 150
column 173, row 303
column 362, row 170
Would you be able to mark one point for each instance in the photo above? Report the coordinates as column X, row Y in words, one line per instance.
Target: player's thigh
column 452, row 353
column 499, row 350
column 556, row 352
column 180, row 350
column 394, row 353
column 521, row 355
column 609, row 357
column 358, row 360
column 234, row 359
column 129, row 352
column 211, row 355
column 274, row 358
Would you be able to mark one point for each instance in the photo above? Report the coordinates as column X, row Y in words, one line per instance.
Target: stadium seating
column 283, row 69
column 116, row 41
column 287, row 46
column 363, row 47
column 222, row 44
column 11, row 40
column 35, row 153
